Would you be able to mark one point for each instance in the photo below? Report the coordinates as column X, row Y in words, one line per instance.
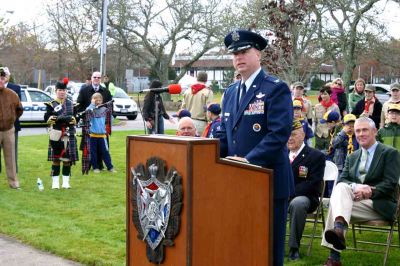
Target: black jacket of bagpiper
column 65, row 121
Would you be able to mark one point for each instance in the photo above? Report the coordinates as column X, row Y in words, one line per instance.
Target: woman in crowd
column 325, row 105
column 357, row 94
column 62, row 144
column 338, row 95
column 370, row 106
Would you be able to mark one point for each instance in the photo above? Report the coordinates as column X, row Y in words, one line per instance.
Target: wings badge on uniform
column 156, row 204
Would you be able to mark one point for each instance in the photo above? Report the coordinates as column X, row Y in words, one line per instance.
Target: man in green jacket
column 366, row 189
column 390, row 133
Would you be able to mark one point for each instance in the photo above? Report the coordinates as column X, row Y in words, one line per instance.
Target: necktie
column 242, row 93
column 362, row 168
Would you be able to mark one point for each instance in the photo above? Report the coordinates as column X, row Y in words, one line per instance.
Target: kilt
column 72, row 150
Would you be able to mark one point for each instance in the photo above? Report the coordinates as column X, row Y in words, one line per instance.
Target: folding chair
column 378, row 226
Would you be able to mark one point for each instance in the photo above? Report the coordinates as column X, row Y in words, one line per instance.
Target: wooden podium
column 227, row 211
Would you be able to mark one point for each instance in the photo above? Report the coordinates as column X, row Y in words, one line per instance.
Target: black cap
column 239, row 40
column 155, row 84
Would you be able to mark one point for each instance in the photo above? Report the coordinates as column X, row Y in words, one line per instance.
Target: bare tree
column 74, row 31
column 344, row 26
column 153, row 30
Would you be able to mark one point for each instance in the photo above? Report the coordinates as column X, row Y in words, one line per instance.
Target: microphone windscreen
column 174, row 89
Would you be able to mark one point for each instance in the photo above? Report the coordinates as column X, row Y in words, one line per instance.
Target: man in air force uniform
column 256, row 122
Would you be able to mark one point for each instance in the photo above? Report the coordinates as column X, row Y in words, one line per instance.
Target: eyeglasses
column 338, row 83
column 97, row 77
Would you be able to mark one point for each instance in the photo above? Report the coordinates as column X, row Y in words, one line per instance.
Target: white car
column 382, row 91
column 124, row 105
column 73, row 89
column 33, row 103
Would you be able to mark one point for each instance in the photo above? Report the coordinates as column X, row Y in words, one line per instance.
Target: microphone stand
column 156, row 111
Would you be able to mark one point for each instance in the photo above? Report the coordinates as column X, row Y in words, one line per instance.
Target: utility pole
column 59, row 65
column 103, row 30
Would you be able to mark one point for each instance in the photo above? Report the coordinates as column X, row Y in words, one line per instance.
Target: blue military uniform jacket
column 259, row 128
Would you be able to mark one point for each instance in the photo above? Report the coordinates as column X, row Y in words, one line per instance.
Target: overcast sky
column 33, row 10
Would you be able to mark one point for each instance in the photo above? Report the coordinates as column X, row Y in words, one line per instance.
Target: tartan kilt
column 71, row 149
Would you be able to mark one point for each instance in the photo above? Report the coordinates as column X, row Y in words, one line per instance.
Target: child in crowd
column 390, row 133
column 96, row 113
column 332, row 120
column 298, row 114
column 213, row 126
column 345, row 142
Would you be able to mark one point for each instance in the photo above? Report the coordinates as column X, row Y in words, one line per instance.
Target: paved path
column 15, row 253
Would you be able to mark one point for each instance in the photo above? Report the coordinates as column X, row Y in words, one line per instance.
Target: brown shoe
column 331, row 262
column 336, row 238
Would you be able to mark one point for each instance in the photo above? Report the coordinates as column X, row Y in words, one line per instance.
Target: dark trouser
column 160, row 129
column 280, row 215
column 298, row 208
column 99, row 151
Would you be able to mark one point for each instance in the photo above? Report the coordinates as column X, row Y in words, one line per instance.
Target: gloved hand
column 52, row 120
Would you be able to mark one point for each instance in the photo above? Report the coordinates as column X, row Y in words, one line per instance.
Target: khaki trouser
column 200, row 125
column 342, row 204
column 7, row 140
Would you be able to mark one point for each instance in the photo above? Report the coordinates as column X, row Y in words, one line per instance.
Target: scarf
column 335, row 92
column 367, row 107
column 350, row 146
column 332, row 135
column 197, row 87
column 327, row 104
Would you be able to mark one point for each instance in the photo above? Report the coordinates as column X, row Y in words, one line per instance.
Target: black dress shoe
column 331, row 262
column 336, row 238
column 294, row 254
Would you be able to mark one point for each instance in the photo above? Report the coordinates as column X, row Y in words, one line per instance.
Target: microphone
column 171, row 89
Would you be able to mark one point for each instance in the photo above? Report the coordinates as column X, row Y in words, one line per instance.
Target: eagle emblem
column 157, row 204
column 235, row 36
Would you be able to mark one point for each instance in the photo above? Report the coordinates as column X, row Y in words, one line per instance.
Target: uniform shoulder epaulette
column 273, row 79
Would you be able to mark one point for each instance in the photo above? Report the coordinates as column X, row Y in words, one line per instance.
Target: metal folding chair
column 378, row 226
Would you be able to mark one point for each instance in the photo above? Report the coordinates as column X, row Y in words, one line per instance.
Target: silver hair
column 368, row 120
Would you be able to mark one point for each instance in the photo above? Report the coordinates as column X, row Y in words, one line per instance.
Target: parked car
column 382, row 91
column 33, row 103
column 124, row 105
column 51, row 90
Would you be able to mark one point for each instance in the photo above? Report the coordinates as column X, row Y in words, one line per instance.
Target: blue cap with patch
column 182, row 113
column 330, row 116
column 239, row 40
column 214, row 108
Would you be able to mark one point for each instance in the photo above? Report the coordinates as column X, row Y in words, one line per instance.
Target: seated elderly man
column 366, row 189
column 186, row 127
column 308, row 166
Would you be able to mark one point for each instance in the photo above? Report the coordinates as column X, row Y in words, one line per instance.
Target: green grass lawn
column 87, row 222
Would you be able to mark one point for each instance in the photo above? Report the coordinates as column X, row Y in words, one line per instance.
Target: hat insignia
column 235, row 36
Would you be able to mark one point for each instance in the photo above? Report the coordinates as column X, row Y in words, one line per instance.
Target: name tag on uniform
column 255, row 108
column 303, row 171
